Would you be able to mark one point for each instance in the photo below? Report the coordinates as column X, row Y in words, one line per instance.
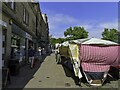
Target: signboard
column 28, row 36
column 18, row 30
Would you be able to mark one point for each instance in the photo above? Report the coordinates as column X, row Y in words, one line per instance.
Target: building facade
column 21, row 30
column 45, row 32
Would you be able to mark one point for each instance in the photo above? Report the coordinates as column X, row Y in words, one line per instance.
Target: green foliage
column 111, row 34
column 75, row 33
column 56, row 40
column 70, row 34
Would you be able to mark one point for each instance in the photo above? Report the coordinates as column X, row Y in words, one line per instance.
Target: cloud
column 58, row 23
column 96, row 29
column 112, row 24
column 61, row 19
column 109, row 25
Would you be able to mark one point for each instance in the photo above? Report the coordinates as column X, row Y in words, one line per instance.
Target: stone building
column 45, row 32
column 22, row 27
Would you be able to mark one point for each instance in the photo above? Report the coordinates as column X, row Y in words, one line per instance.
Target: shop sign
column 28, row 36
column 3, row 23
column 17, row 30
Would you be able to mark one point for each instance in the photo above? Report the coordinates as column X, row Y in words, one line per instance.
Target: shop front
column 18, row 41
column 17, row 47
column 3, row 69
column 29, row 43
column 0, row 57
column 3, row 30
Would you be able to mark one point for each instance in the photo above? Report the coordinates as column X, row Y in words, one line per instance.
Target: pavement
column 51, row 75
column 48, row 74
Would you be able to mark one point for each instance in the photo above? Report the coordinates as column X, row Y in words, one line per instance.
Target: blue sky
column 93, row 16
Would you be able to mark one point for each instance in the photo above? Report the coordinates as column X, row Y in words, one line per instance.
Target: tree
column 75, row 33
column 110, row 34
column 53, row 41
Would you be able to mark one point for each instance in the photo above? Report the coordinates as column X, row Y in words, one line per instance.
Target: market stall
column 95, row 56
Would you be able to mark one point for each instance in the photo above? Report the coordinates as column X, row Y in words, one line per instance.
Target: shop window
column 3, row 45
column 17, row 47
column 15, row 40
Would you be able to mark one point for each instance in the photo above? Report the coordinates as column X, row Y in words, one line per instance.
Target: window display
column 17, row 47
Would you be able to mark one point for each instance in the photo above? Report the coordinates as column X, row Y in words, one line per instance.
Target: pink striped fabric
column 98, row 58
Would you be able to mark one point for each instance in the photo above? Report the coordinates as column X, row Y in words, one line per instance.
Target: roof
column 99, row 41
column 79, row 41
column 66, row 43
column 89, row 41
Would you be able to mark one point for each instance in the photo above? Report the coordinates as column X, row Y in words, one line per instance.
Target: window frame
column 25, row 16
column 11, row 5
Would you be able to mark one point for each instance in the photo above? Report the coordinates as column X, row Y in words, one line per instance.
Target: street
column 48, row 74
column 89, row 37
column 51, row 75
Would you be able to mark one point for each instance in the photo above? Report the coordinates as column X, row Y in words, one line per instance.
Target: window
column 3, row 44
column 24, row 11
column 25, row 16
column 11, row 5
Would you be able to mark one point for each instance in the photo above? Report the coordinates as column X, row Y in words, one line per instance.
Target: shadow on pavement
column 112, row 76
column 70, row 73
column 25, row 75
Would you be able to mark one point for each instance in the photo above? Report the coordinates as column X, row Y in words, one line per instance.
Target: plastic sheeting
column 74, row 53
column 98, row 58
column 75, row 57
column 99, row 42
